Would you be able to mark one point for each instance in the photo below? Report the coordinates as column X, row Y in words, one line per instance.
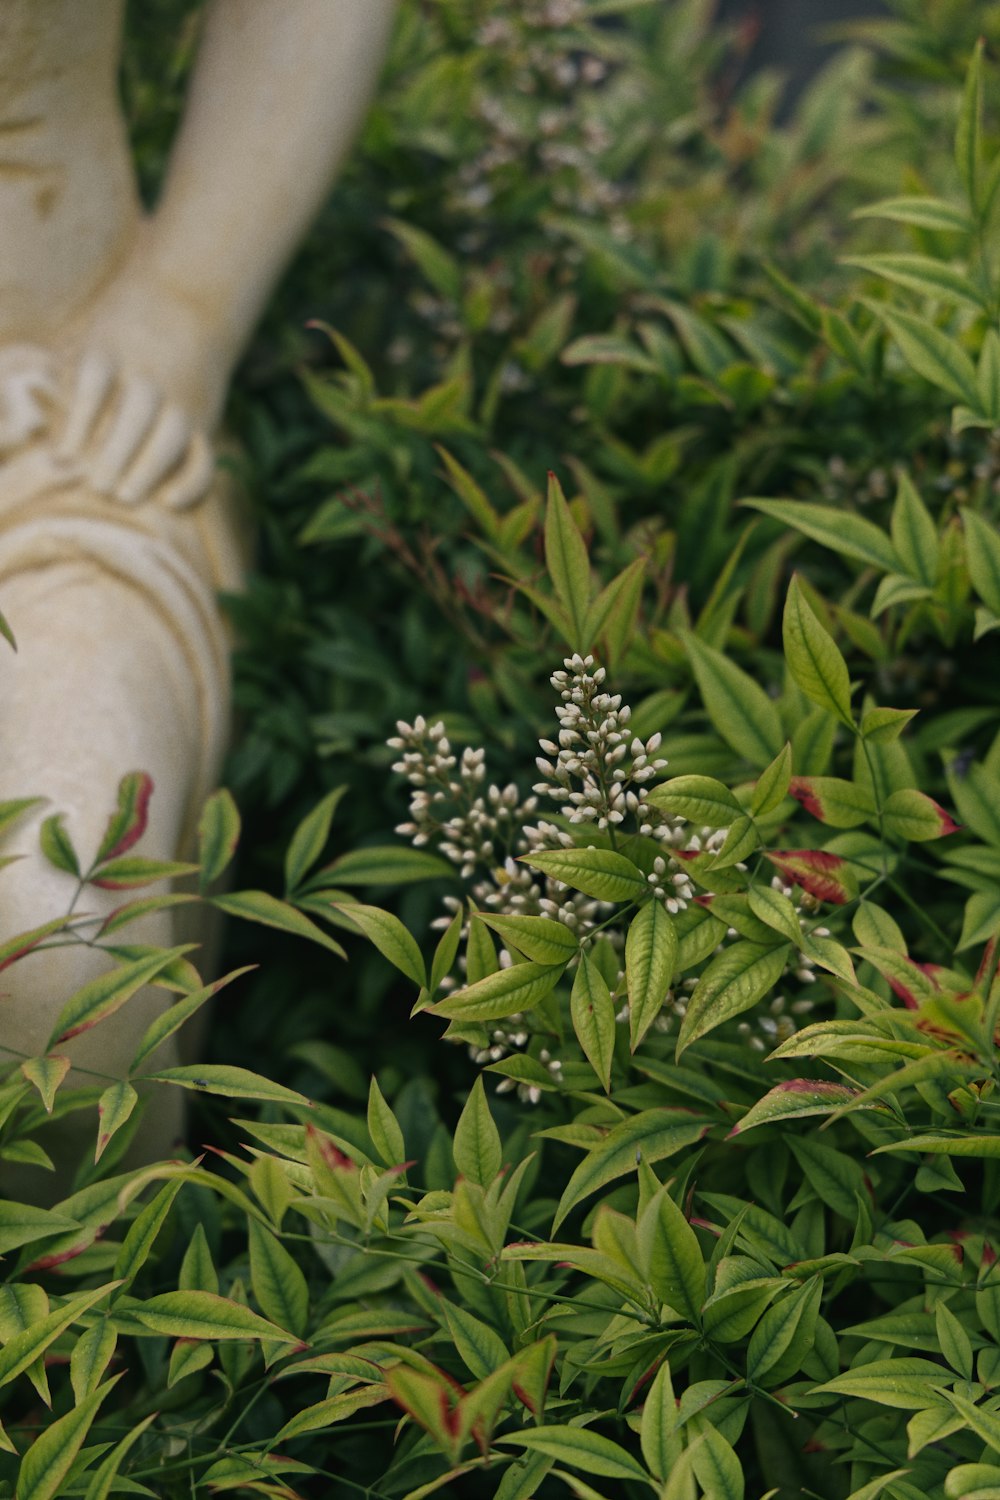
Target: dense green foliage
column 702, row 1200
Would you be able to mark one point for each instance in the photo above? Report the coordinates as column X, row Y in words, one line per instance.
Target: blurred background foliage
column 582, row 235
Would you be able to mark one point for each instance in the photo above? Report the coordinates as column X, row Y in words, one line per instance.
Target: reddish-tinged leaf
column 127, row 823
column 16, row 947
column 910, row 814
column 825, row 876
column 106, row 993
column 832, row 800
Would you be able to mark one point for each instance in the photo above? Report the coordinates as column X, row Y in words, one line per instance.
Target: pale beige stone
column 118, row 334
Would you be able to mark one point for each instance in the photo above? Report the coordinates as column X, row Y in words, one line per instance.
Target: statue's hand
column 129, row 442
column 28, row 389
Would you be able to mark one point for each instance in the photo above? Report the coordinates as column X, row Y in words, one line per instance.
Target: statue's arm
column 278, row 91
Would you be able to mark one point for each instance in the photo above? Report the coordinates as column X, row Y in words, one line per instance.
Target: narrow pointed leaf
column 592, row 1011
column 650, row 959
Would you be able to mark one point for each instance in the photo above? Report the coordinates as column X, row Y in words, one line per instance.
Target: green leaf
column 106, row 993
column 985, row 1146
column 914, row 534
column 6, row 632
column 783, row 1338
column 650, row 960
column 309, row 839
column 733, row 982
column 541, row 939
column 671, row 1257
column 882, row 726
column 114, row 1108
column 386, row 865
column 131, row 871
column 471, row 495
column 599, row 873
column 143, row 1230
column 972, row 1482
column 923, row 212
column 104, row 1476
column 772, row 784
column 22, row 1350
column 661, row 1446
column 580, row 1448
column 174, row 1017
column 277, row 1281
column 390, row 937
column 896, row 589
column 699, row 799
column 338, row 1408
column 777, row 911
column 51, row 1456
column 198, row 1273
column 740, row 842
column 794, row 1099
column 908, row 1384
column 813, row 657
column 988, row 374
column 441, row 268
column 955, row 1343
column 874, row 927
column 716, row 1467
column 92, row 1353
column 477, row 1149
column 976, row 795
column 984, row 1423
column 503, row 993
column 592, row 1011
column 968, row 131
column 841, row 804
column 57, row 846
column 912, row 815
column 937, row 356
column 203, row 1315
column 650, row 1136
column 923, row 274
column 384, row 1129
column 567, row 563
column 982, row 551
column 615, row 607
column 259, row 906
column 231, row 1082
column 481, row 1349
column 218, row 835
column 738, row 707
column 46, row 1073
column 841, row 531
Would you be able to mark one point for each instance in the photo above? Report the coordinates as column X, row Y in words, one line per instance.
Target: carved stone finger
column 129, row 430
column 94, row 378
column 194, row 480
column 162, row 452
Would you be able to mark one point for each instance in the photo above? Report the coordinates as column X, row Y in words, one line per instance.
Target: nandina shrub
column 719, row 1206
column 713, row 1210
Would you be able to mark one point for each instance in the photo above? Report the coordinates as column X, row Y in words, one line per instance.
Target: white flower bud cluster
column 472, row 824
column 598, row 769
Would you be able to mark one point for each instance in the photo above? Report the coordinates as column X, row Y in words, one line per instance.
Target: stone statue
column 118, row 335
